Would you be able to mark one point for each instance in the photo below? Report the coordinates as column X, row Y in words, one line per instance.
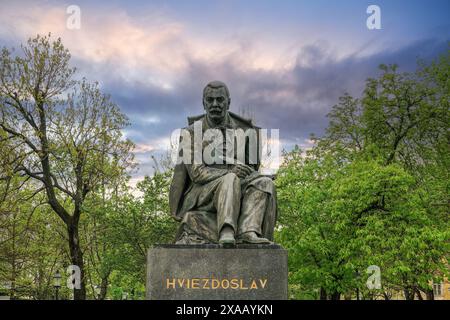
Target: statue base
column 211, row 272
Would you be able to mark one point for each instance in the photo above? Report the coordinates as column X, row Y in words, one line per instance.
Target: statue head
column 216, row 101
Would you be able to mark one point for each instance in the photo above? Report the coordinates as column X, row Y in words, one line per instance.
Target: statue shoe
column 227, row 238
column 253, row 238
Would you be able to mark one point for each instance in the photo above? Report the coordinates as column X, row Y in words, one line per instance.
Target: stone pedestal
column 210, row 272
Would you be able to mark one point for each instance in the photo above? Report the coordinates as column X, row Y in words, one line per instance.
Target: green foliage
column 373, row 191
column 125, row 226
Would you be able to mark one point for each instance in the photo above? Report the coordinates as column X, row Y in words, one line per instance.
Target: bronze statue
column 221, row 202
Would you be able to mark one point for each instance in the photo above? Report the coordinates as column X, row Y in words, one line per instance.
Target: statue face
column 216, row 103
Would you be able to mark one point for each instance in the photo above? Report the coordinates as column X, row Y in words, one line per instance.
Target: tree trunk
column 430, row 294
column 103, row 288
column 323, row 294
column 12, row 294
column 419, row 295
column 409, row 294
column 335, row 296
column 76, row 257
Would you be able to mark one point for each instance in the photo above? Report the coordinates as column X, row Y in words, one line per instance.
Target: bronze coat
column 181, row 181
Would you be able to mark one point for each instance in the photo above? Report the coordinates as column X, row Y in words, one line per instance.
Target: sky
column 285, row 62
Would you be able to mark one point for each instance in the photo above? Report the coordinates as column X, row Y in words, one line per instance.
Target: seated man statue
column 222, row 202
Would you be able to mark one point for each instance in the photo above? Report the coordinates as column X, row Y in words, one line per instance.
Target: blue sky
column 287, row 62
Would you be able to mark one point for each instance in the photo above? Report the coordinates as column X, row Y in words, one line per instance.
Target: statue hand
column 242, row 170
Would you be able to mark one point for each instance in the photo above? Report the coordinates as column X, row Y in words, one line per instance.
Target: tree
column 136, row 224
column 70, row 143
column 373, row 190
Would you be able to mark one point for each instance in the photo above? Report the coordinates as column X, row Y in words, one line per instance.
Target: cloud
column 151, row 47
column 155, row 66
column 143, row 148
column 294, row 100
